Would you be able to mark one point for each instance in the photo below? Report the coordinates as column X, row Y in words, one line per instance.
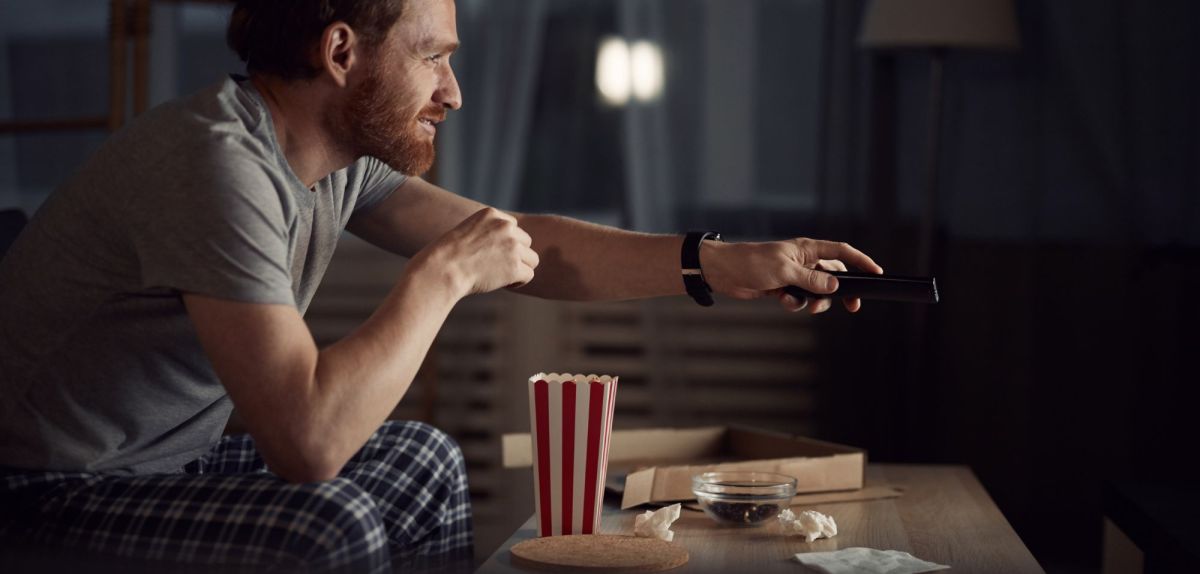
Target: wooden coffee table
column 945, row 516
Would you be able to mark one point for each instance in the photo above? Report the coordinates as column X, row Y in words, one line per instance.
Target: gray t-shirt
column 100, row 367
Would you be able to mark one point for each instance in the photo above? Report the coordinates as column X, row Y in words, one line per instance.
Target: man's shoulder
column 224, row 116
column 172, row 156
column 210, row 136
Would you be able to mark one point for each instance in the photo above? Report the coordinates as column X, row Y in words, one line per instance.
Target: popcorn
column 810, row 523
column 657, row 523
column 571, row 419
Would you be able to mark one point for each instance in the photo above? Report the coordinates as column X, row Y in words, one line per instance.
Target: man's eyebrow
column 439, row 46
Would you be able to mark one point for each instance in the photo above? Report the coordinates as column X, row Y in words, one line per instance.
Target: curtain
column 482, row 154
column 649, row 166
column 733, row 143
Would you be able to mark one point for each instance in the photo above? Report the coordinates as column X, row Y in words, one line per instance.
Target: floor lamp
column 933, row 26
column 937, row 26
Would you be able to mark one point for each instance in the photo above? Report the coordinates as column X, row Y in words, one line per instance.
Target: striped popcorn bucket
column 571, row 420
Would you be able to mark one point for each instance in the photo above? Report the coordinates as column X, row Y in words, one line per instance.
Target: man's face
column 393, row 112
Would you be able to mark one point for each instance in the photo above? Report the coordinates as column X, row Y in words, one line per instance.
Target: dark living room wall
column 1062, row 353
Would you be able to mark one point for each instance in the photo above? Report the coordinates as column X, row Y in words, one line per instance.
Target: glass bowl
column 743, row 498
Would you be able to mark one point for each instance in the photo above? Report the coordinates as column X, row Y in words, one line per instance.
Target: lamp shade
column 980, row 24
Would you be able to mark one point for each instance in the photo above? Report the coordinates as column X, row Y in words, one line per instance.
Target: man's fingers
column 524, row 276
column 791, row 303
column 825, row 257
column 491, row 213
column 846, row 253
column 831, row 265
column 852, row 304
column 816, row 281
column 830, row 256
column 820, row 305
column 530, row 258
column 499, row 214
column 523, row 237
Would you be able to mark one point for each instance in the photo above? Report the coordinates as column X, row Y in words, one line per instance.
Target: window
column 574, row 163
column 737, row 123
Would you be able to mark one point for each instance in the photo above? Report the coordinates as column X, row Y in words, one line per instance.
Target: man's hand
column 486, row 252
column 752, row 270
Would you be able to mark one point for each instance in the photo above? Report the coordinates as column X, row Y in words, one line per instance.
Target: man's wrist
column 435, row 275
column 711, row 259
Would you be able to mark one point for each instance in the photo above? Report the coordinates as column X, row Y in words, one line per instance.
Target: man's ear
column 339, row 49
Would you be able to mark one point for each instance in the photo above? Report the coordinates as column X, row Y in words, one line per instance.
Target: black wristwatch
column 689, row 263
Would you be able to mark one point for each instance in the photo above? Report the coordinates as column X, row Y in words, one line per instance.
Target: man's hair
column 276, row 37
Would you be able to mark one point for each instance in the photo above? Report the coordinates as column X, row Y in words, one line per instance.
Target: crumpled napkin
column 810, row 523
column 866, row 561
column 657, row 523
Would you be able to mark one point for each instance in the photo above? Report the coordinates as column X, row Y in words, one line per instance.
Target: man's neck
column 296, row 110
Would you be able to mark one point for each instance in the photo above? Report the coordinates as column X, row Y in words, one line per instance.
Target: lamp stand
column 919, row 396
column 933, row 135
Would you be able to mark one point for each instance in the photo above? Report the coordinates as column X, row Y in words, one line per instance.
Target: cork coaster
column 596, row 552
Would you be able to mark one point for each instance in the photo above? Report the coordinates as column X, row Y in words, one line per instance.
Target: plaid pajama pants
column 400, row 502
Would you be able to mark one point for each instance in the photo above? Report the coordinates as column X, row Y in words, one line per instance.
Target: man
column 165, row 283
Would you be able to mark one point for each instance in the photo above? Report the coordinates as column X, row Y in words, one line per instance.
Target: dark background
column 1062, row 355
column 1068, row 253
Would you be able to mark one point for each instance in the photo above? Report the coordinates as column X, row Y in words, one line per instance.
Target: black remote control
column 876, row 287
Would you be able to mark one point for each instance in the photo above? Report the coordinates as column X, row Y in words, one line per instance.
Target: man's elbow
column 305, row 474
column 296, row 441
column 301, row 463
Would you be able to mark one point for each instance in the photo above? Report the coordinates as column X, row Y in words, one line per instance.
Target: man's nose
column 448, row 94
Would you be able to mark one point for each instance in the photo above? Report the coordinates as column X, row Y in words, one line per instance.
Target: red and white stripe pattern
column 571, row 419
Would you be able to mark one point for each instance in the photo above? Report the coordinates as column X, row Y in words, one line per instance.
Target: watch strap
column 689, row 263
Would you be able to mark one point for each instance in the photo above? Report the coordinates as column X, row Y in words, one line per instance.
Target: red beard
column 375, row 123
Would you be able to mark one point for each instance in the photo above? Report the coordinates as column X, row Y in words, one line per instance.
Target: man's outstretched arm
column 585, row 261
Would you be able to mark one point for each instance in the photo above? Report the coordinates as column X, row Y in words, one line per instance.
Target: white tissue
column 656, row 523
column 866, row 561
column 810, row 523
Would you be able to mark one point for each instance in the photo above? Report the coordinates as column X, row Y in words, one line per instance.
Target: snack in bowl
column 743, row 498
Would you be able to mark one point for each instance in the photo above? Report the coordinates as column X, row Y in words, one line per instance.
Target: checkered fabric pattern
column 401, row 501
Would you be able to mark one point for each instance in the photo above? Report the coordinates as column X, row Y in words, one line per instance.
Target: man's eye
column 435, row 58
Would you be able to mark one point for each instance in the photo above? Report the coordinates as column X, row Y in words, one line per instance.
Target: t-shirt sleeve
column 223, row 234
column 376, row 182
